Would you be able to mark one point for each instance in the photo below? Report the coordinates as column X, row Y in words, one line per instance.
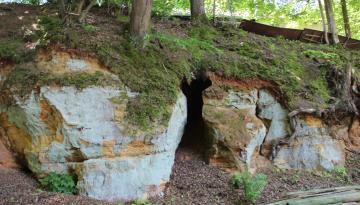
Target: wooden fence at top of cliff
column 306, row 35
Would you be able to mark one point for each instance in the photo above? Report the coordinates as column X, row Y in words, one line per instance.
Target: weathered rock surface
column 354, row 135
column 247, row 128
column 270, row 109
column 85, row 132
column 275, row 117
column 7, row 158
column 310, row 147
column 234, row 131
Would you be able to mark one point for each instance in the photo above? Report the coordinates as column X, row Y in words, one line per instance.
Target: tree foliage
column 284, row 13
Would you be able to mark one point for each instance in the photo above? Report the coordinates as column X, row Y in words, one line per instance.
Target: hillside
column 193, row 100
column 173, row 50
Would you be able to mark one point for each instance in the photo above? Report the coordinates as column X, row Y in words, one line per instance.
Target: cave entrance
column 193, row 140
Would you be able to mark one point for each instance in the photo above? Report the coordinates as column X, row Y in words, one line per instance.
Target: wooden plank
column 338, row 195
column 311, row 35
column 311, row 40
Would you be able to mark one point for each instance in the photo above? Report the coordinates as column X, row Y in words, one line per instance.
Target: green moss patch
column 25, row 77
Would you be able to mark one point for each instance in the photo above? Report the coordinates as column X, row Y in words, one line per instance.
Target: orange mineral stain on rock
column 55, row 61
column 354, row 134
column 7, row 159
column 107, row 149
column 313, row 121
column 18, row 138
column 136, row 148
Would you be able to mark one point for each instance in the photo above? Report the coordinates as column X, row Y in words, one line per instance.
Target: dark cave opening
column 193, row 139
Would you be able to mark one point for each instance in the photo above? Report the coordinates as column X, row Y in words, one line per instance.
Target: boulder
column 85, row 132
column 310, row 147
column 233, row 130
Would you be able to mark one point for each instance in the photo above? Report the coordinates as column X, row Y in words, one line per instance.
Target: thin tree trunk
column 331, row 21
column 197, row 10
column 61, row 5
column 140, row 18
column 80, row 6
column 346, row 18
column 84, row 13
column 214, row 11
column 323, row 22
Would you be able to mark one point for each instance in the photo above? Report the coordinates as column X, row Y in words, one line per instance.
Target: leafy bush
column 63, row 183
column 163, row 7
column 253, row 185
column 341, row 172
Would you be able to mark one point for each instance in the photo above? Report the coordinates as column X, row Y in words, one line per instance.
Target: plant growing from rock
column 62, row 183
column 141, row 202
column 253, row 185
column 341, row 172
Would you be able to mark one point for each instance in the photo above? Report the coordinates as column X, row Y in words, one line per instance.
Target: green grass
column 89, row 28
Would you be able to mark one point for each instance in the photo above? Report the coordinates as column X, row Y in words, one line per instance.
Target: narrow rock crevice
column 193, row 139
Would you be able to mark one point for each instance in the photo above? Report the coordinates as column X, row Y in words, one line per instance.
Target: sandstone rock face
column 7, row 158
column 234, row 131
column 85, row 132
column 248, row 128
column 354, row 134
column 310, row 147
column 270, row 109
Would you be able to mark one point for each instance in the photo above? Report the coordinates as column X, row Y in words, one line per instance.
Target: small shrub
column 50, row 29
column 253, row 185
column 14, row 51
column 62, row 183
column 341, row 172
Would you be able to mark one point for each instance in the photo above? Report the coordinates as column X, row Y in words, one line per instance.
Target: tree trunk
column 84, row 12
column 331, row 21
column 80, row 6
column 346, row 19
column 61, row 5
column 323, row 22
column 348, row 88
column 214, row 11
column 140, row 18
column 197, row 10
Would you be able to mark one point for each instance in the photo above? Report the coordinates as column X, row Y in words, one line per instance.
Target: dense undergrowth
column 156, row 70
